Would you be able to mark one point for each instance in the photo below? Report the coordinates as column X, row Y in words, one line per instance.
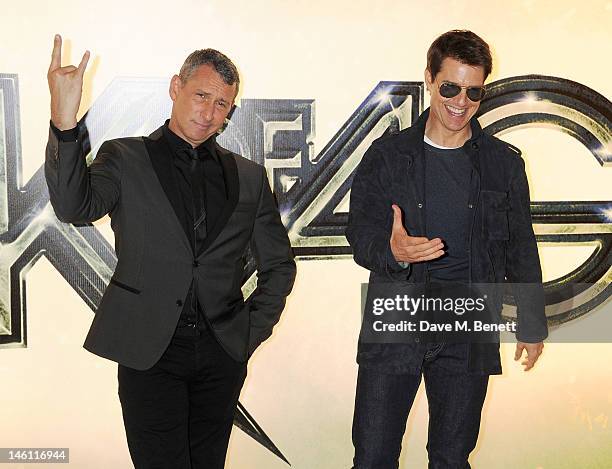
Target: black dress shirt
column 214, row 182
column 192, row 319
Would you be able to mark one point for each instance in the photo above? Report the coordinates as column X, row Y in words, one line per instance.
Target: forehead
column 460, row 73
column 206, row 78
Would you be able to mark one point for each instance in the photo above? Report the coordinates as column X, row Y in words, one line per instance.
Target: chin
column 457, row 127
column 198, row 136
column 203, row 133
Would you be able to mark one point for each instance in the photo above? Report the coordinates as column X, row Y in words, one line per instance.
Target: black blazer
column 130, row 180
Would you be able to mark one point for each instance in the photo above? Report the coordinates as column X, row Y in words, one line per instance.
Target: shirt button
column 179, row 303
column 420, row 205
column 417, row 340
column 470, row 205
column 196, row 263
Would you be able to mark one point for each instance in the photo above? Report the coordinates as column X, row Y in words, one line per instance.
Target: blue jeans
column 383, row 401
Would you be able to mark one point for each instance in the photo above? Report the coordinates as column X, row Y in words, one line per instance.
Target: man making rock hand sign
column 184, row 212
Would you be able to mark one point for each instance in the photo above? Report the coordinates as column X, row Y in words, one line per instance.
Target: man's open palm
column 412, row 249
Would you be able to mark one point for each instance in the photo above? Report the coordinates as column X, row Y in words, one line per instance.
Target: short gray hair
column 220, row 62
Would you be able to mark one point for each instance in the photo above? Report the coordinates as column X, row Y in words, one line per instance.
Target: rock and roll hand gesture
column 66, row 87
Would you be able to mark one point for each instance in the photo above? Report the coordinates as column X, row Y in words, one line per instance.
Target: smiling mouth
column 454, row 111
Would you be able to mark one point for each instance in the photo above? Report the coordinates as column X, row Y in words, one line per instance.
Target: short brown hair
column 461, row 45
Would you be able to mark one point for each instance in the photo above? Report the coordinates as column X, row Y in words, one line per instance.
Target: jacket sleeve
column 81, row 194
column 275, row 267
column 523, row 269
column 371, row 218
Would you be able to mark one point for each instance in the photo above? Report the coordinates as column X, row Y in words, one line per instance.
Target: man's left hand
column 533, row 353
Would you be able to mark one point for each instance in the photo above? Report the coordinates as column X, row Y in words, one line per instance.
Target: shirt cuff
column 394, row 265
column 70, row 135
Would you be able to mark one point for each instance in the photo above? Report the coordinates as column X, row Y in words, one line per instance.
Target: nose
column 462, row 98
column 207, row 110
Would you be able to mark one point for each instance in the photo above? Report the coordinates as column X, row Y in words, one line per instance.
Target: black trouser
column 179, row 413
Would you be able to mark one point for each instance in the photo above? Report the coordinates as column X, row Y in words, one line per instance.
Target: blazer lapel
column 232, row 185
column 159, row 153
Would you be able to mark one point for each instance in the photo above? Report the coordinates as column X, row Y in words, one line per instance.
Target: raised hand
column 412, row 249
column 66, row 87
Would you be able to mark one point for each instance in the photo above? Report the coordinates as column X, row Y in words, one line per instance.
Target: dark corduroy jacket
column 501, row 247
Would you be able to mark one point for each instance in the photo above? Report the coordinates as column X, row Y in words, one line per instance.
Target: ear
column 428, row 80
column 175, row 86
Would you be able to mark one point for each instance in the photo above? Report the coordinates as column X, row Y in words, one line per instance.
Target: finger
column 435, row 255
column 419, row 240
column 436, row 251
column 535, row 355
column 428, row 254
column 83, row 63
column 398, row 226
column 424, row 248
column 528, row 365
column 427, row 248
column 56, row 54
column 530, row 362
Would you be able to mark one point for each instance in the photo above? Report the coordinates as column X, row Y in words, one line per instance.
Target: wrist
column 63, row 122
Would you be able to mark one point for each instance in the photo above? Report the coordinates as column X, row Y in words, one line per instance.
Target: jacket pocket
column 124, row 286
column 495, row 208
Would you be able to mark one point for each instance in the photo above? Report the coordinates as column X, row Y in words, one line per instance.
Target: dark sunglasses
column 450, row 90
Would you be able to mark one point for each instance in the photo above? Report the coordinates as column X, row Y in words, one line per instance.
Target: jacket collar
column 413, row 136
column 411, row 144
column 176, row 143
column 159, row 151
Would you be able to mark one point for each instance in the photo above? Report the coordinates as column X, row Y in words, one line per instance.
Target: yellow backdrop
column 301, row 383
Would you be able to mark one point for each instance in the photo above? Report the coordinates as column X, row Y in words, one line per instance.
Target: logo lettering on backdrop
column 312, row 190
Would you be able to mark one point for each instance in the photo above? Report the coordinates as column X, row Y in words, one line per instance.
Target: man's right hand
column 412, row 249
column 66, row 87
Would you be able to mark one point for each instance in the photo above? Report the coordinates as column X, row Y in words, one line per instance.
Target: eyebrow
column 457, row 84
column 206, row 93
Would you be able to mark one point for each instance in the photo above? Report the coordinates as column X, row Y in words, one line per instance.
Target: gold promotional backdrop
column 301, row 383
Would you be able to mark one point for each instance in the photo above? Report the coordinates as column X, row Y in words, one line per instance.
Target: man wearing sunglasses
column 440, row 202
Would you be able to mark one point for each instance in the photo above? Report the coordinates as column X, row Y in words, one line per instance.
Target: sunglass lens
column 449, row 90
column 475, row 93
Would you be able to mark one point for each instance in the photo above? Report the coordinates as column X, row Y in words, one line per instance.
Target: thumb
column 398, row 226
column 518, row 352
